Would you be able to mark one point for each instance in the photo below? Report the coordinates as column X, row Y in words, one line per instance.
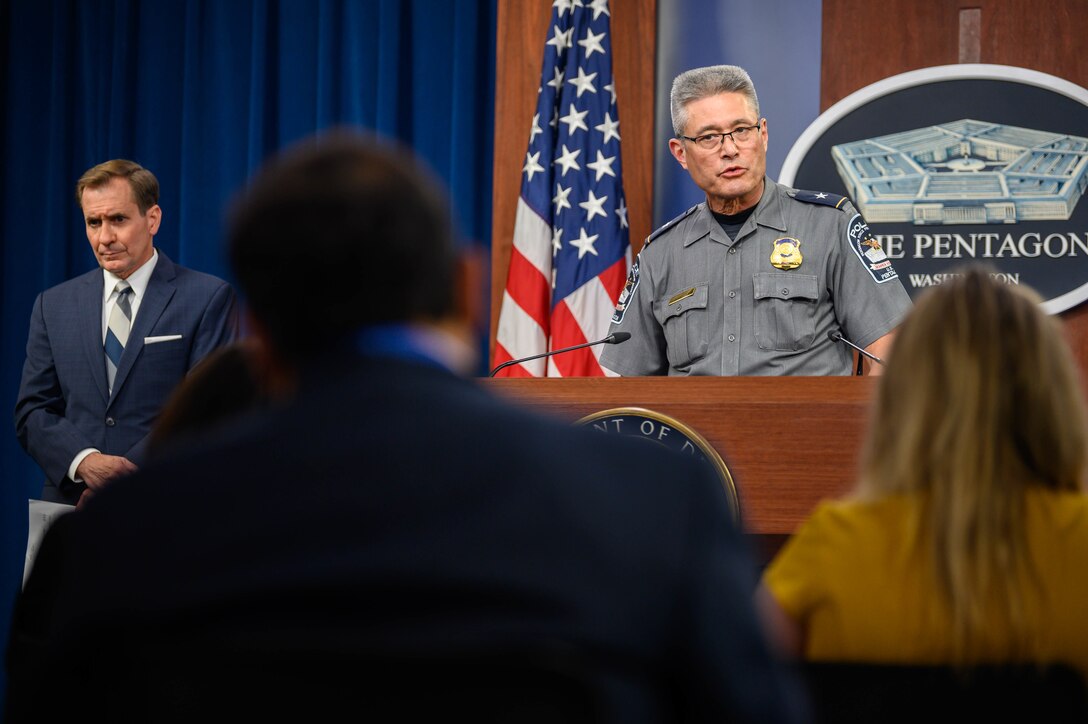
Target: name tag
column 682, row 295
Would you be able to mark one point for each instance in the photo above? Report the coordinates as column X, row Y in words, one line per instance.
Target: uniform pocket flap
column 681, row 300
column 772, row 285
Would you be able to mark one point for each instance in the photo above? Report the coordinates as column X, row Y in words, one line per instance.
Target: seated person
column 967, row 537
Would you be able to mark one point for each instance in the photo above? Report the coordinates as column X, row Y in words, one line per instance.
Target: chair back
column 845, row 692
column 523, row 686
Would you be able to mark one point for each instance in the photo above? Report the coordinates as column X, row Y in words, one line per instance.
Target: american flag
column 571, row 250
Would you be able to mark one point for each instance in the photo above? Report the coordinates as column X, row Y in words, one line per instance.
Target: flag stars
column 591, row 43
column 602, row 165
column 536, row 130
column 531, row 164
column 568, row 159
column 609, row 128
column 598, row 7
column 561, row 198
column 564, row 6
column 575, row 120
column 621, row 212
column 556, row 81
column 594, row 207
column 557, row 244
column 611, row 88
column 583, row 82
column 561, row 39
column 584, row 244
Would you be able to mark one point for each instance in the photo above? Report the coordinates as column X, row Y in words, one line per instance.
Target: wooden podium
column 787, row 441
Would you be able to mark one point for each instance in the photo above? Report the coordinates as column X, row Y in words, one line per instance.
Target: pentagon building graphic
column 965, row 172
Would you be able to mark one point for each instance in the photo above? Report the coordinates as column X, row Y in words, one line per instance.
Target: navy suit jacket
column 64, row 403
column 392, row 506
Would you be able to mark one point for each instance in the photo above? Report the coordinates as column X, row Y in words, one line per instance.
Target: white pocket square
column 163, row 338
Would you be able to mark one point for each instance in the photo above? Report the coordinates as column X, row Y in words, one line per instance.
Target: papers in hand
column 42, row 515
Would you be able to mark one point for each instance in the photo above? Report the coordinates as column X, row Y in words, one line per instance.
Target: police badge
column 786, row 253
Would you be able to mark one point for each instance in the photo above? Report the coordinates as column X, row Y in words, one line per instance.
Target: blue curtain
column 201, row 92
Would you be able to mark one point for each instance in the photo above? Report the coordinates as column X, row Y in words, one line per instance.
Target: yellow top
column 861, row 590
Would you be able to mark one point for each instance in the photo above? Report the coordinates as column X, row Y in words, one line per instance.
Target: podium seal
column 668, row 432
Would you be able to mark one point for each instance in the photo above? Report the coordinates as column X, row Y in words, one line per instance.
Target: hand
column 880, row 348
column 97, row 469
column 86, row 495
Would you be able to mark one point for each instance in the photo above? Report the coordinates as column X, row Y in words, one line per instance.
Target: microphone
column 835, row 336
column 614, row 338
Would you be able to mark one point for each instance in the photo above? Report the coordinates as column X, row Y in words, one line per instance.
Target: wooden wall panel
column 522, row 27
column 865, row 41
column 1048, row 37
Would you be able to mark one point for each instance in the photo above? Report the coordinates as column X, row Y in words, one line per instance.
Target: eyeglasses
column 743, row 136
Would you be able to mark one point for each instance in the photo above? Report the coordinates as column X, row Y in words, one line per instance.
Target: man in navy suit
column 386, row 526
column 82, row 415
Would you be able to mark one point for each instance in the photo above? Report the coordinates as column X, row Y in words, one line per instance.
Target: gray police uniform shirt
column 803, row 264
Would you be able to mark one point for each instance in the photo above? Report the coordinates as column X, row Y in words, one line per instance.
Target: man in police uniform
column 752, row 281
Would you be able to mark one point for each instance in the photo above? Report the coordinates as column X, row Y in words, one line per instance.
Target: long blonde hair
column 981, row 400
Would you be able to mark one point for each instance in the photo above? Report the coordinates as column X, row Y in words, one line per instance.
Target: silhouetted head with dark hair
column 339, row 233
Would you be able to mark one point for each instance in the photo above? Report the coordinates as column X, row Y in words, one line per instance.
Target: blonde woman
column 967, row 538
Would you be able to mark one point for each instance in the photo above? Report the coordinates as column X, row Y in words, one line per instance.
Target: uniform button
column 732, row 250
column 110, row 422
column 679, row 307
column 732, row 338
column 785, row 292
column 732, row 294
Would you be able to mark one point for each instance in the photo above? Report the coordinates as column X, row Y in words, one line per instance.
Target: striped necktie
column 117, row 330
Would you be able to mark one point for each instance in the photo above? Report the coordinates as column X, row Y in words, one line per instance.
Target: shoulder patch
column 868, row 250
column 820, row 197
column 628, row 290
column 668, row 225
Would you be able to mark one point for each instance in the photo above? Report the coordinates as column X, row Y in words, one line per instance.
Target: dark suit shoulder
column 168, row 269
column 199, row 279
column 591, row 463
column 75, row 284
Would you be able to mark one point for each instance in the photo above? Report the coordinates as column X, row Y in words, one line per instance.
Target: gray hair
column 698, row 83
